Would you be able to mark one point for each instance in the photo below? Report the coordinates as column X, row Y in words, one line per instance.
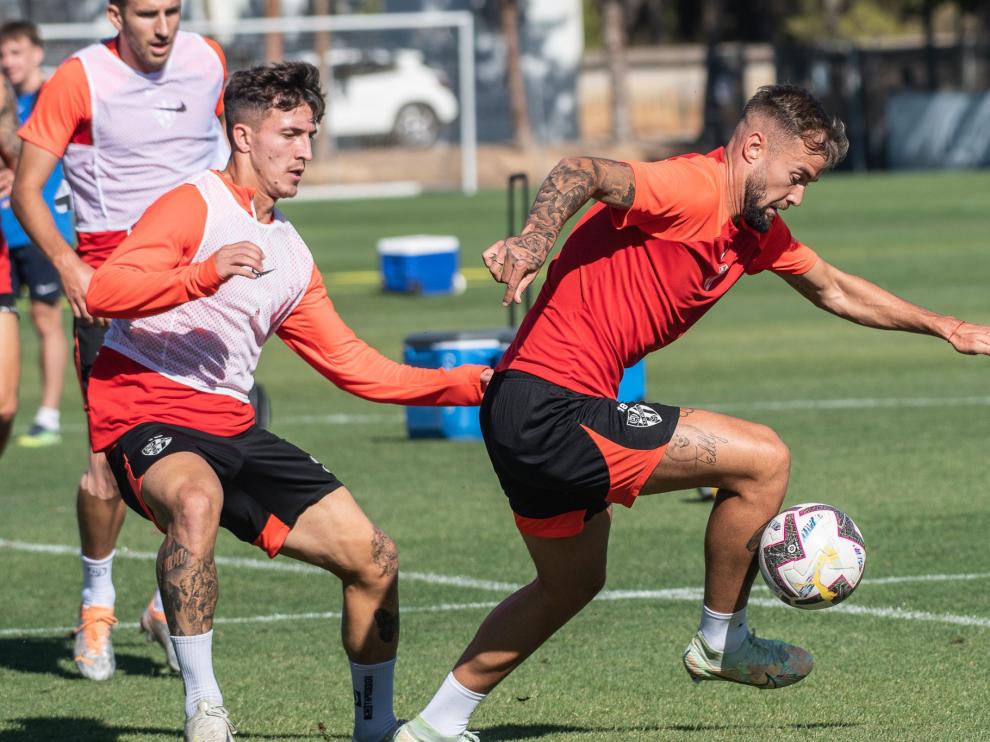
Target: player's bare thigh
column 709, row 449
column 336, row 535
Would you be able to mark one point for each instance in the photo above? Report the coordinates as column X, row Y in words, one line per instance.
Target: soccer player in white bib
column 130, row 118
column 210, row 273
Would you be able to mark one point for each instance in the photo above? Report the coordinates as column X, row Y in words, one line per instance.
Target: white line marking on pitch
column 691, row 594
column 785, row 405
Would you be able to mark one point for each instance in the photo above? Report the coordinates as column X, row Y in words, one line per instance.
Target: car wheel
column 416, row 125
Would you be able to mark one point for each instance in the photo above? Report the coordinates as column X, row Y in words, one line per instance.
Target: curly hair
column 284, row 86
column 799, row 113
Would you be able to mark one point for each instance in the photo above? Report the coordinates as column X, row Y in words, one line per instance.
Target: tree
column 518, row 106
column 614, row 38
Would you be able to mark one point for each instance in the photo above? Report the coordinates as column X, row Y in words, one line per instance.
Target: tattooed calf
column 384, row 553
column 189, row 588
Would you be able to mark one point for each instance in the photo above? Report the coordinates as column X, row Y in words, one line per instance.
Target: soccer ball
column 812, row 556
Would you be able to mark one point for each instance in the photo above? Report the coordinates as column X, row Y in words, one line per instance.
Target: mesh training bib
column 151, row 132
column 213, row 344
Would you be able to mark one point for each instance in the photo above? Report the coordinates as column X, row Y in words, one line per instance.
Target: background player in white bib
column 130, row 118
column 211, row 272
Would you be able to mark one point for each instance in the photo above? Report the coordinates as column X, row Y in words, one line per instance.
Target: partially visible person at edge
column 667, row 241
column 10, row 347
column 130, row 118
column 21, row 56
column 210, row 272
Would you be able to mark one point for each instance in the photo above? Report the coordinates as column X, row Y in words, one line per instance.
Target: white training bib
column 151, row 132
column 213, row 344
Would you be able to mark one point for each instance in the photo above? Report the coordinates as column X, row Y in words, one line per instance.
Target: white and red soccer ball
column 812, row 556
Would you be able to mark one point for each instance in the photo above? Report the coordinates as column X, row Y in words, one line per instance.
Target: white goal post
column 461, row 22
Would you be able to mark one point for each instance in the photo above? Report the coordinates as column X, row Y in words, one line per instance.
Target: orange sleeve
column 152, row 271
column 780, row 252
column 63, row 107
column 675, row 199
column 316, row 333
column 215, row 46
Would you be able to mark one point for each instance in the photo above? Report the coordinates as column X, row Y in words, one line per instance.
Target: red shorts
column 563, row 457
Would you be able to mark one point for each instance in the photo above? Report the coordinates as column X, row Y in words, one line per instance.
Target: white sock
column 48, row 418
column 98, row 582
column 195, row 654
column 156, row 602
column 724, row 632
column 451, row 707
column 373, row 714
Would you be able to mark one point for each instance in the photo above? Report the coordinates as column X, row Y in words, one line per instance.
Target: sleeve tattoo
column 568, row 187
column 10, row 143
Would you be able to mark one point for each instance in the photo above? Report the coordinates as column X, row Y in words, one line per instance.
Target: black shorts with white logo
column 30, row 267
column 267, row 482
column 562, row 457
column 8, row 303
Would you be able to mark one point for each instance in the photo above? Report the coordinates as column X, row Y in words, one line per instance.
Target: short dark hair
column 21, row 30
column 799, row 113
column 283, row 85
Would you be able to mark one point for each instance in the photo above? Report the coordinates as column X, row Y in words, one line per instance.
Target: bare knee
column 775, row 464
column 577, row 590
column 99, row 484
column 194, row 518
column 383, row 568
column 8, row 406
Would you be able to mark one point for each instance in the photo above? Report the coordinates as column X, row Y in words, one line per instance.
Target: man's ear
column 114, row 16
column 755, row 146
column 242, row 138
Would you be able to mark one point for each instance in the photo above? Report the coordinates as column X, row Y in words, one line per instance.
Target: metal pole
column 469, row 129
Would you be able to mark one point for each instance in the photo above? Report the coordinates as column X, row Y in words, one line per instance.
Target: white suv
column 391, row 94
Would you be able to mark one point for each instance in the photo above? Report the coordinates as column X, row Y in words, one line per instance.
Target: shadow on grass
column 50, row 655
column 505, row 732
column 35, row 729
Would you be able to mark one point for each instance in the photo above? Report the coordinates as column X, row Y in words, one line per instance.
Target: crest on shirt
column 156, row 445
column 641, row 416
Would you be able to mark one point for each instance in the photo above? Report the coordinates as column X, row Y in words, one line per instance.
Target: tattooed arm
column 10, row 144
column 570, row 185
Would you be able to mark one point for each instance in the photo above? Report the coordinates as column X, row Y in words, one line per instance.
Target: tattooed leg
column 189, row 588
column 750, row 466
column 336, row 535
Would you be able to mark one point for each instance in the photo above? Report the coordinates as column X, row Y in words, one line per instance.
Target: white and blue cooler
column 419, row 264
column 446, row 350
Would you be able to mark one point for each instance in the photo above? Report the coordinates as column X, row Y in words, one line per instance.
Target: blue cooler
column 632, row 388
column 485, row 347
column 446, row 350
column 419, row 264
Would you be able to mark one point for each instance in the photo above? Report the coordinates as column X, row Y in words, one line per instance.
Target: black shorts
column 8, row 304
column 267, row 482
column 30, row 267
column 88, row 341
column 563, row 457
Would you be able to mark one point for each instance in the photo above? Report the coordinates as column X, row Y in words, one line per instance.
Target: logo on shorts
column 156, row 445
column 641, row 416
column 322, row 466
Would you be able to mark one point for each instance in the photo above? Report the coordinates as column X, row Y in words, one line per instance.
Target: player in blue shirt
column 21, row 55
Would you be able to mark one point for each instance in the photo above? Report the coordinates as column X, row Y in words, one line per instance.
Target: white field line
column 690, row 594
column 785, row 405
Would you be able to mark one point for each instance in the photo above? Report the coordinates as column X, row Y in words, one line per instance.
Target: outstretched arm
column 860, row 301
column 316, row 333
column 570, row 185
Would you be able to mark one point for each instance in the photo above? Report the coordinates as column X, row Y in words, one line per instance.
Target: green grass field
column 892, row 428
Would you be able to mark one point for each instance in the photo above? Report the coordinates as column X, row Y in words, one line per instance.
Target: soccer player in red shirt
column 210, row 272
column 639, row 269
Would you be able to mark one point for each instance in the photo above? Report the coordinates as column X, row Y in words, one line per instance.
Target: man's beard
column 756, row 216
